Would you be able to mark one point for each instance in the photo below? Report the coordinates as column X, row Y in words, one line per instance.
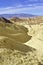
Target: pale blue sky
column 34, row 7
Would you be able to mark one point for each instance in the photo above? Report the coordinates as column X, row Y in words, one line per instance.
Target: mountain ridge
column 16, row 15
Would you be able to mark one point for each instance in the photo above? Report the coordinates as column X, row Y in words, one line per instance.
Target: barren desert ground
column 21, row 41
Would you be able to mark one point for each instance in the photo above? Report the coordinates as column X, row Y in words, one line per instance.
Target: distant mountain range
column 16, row 15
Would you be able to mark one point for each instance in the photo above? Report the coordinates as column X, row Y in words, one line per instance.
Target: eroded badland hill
column 21, row 41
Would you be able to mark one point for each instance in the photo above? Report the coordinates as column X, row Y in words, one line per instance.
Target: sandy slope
column 16, row 56
column 37, row 37
column 2, row 37
column 35, row 43
column 15, row 34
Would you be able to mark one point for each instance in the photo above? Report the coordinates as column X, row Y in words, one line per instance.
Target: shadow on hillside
column 12, row 44
column 15, row 41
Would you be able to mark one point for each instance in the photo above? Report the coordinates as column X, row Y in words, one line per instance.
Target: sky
column 34, row 7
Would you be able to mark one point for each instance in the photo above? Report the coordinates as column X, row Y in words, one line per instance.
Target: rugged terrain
column 21, row 41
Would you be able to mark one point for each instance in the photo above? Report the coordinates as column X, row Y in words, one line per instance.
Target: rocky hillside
column 21, row 44
column 33, row 20
column 4, row 20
